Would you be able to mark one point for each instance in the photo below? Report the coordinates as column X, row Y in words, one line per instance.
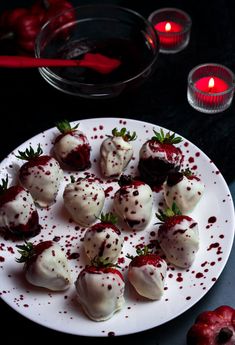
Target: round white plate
column 60, row 311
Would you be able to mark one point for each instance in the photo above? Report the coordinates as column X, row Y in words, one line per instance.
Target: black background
column 29, row 105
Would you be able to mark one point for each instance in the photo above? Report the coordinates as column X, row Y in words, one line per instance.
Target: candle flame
column 211, row 83
column 168, row 27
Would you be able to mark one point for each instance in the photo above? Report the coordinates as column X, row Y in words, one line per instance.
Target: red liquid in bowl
column 135, row 56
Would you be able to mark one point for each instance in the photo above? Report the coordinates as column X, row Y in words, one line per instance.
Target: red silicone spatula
column 95, row 61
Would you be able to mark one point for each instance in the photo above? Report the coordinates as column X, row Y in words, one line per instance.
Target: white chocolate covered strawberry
column 100, row 291
column 104, row 239
column 84, row 200
column 183, row 188
column 133, row 203
column 116, row 152
column 72, row 147
column 41, row 175
column 158, row 157
column 18, row 214
column 147, row 274
column 178, row 237
column 45, row 265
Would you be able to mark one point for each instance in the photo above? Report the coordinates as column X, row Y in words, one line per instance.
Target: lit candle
column 173, row 28
column 211, row 85
column 166, row 33
column 210, row 88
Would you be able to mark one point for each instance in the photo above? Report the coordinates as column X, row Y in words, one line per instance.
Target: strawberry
column 178, row 237
column 45, row 265
column 133, row 203
column 84, row 200
column 183, row 188
column 158, row 157
column 72, row 147
column 147, row 273
column 41, row 175
column 18, row 214
column 104, row 239
column 116, row 152
column 100, row 291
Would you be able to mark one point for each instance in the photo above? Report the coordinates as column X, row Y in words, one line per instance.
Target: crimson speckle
column 111, row 334
column 121, row 260
column 212, row 219
column 191, row 159
column 107, row 191
column 213, row 245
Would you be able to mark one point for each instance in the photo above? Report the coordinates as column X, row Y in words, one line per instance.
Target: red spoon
column 97, row 62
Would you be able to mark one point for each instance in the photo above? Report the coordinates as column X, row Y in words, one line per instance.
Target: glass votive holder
column 210, row 88
column 173, row 27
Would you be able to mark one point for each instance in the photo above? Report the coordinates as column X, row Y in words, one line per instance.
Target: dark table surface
column 29, row 105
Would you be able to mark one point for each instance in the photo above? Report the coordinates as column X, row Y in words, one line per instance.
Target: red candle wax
column 203, row 85
column 167, row 32
column 168, row 26
column 211, row 87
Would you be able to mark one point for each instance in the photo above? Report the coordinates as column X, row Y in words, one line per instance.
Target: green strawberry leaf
column 167, row 138
column 29, row 153
column 65, row 127
column 126, row 135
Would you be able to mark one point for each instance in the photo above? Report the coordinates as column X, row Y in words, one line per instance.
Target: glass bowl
column 112, row 31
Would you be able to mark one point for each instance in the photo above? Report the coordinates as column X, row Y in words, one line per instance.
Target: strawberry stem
column 143, row 251
column 29, row 154
column 127, row 136
column 101, row 262
column 186, row 172
column 108, row 218
column 167, row 138
column 72, row 179
column 169, row 212
column 3, row 186
column 140, row 251
column 65, row 127
column 26, row 251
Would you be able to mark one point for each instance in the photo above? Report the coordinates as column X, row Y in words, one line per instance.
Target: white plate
column 60, row 311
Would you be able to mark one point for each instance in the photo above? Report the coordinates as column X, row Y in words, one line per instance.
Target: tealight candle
column 210, row 88
column 173, row 28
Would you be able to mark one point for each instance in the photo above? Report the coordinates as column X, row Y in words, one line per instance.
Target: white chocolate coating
column 148, row 280
column 43, row 182
column 180, row 243
column 153, row 149
column 84, row 201
column 68, row 143
column 50, row 270
column 115, row 154
column 100, row 294
column 17, row 211
column 186, row 194
column 134, row 206
column 106, row 243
